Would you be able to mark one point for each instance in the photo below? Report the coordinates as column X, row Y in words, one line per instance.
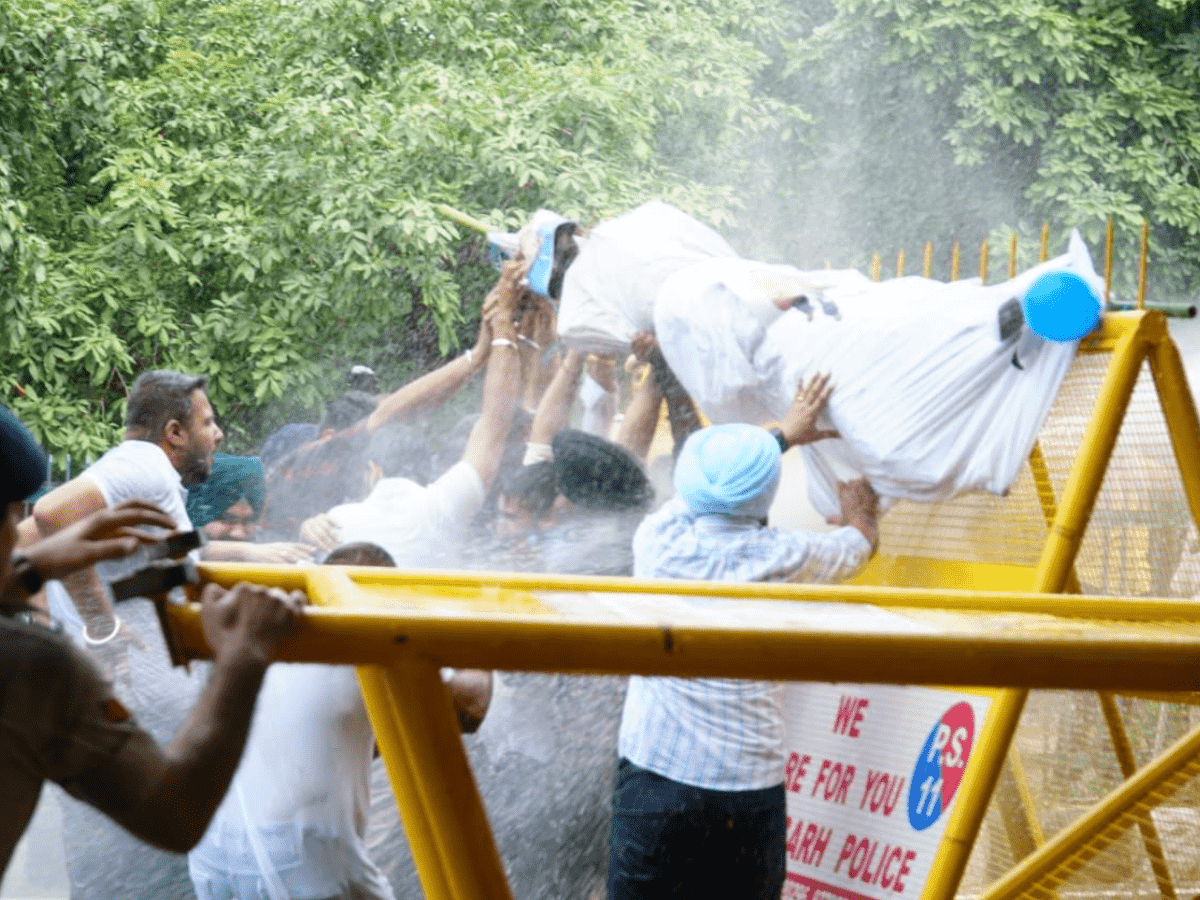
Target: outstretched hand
column 799, row 425
column 105, row 534
column 860, row 509
column 505, row 295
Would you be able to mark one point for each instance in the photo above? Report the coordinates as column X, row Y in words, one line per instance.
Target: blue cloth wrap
column 231, row 479
column 730, row 470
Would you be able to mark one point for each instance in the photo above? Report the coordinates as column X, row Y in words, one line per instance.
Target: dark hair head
column 597, row 474
column 534, row 487
column 342, row 412
column 362, row 378
column 360, row 553
column 157, row 397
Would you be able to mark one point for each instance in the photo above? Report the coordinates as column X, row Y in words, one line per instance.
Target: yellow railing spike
column 1143, row 255
column 1108, row 260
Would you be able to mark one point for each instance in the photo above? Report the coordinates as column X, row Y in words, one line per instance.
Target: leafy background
column 249, row 189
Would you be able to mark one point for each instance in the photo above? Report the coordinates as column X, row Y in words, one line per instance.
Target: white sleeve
column 454, row 499
column 137, row 470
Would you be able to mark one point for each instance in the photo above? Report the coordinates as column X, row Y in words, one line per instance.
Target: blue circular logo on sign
column 940, row 766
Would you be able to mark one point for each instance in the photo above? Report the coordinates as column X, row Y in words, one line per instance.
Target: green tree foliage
column 248, row 188
column 945, row 116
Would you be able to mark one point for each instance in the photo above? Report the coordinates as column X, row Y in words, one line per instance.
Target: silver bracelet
column 94, row 642
column 526, row 339
column 504, row 342
column 469, row 356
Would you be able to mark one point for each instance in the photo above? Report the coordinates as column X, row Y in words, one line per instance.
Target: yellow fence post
column 1124, row 753
column 1108, row 260
column 1143, row 255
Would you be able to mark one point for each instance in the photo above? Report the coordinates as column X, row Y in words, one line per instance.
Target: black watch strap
column 777, row 433
column 26, row 574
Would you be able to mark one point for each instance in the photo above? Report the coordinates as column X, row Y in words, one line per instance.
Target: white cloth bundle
column 929, row 400
column 608, row 292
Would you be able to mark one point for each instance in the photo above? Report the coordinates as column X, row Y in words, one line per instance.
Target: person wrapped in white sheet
column 941, row 387
column 608, row 291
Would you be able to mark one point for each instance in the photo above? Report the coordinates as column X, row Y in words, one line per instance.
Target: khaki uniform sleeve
column 86, row 740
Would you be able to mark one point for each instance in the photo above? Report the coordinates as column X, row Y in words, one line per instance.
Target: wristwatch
column 26, row 574
column 777, row 433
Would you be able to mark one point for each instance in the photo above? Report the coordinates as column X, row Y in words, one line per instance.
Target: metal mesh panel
column 1140, row 541
column 1147, row 850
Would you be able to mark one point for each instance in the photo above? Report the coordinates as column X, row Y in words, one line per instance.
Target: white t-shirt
column 419, row 526
column 301, row 792
column 132, row 470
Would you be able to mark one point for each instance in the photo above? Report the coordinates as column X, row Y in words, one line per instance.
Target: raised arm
column 502, row 383
column 641, row 416
column 681, row 411
column 554, row 411
column 434, row 388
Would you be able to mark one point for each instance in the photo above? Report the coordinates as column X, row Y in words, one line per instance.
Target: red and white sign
column 870, row 774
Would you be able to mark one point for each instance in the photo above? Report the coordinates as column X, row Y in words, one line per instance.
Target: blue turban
column 231, row 479
column 24, row 462
column 731, row 469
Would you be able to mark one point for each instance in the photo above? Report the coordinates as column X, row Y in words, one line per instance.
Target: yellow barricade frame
column 401, row 627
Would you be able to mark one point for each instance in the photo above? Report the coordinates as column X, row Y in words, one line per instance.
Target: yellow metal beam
column 1078, row 842
column 665, row 633
column 1123, row 749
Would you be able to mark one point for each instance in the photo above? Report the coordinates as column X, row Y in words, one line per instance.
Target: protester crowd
column 265, row 776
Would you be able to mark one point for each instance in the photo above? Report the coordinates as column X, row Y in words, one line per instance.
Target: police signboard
column 871, row 772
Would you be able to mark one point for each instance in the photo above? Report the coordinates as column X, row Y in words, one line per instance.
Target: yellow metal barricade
column 1063, row 588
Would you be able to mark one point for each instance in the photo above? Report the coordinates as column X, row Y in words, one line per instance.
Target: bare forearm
column 501, row 388
column 202, row 758
column 868, row 526
column 641, row 418
column 554, row 412
column 431, row 389
column 91, row 599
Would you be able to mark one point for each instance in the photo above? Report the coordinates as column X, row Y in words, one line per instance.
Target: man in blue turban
column 698, row 808
column 229, row 503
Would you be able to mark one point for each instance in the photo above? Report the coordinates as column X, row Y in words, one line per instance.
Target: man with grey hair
column 171, row 436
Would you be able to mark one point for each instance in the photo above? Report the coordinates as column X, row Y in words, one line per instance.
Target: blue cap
column 1061, row 307
column 24, row 462
column 546, row 225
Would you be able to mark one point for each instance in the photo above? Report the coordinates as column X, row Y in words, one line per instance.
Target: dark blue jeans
column 675, row 840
